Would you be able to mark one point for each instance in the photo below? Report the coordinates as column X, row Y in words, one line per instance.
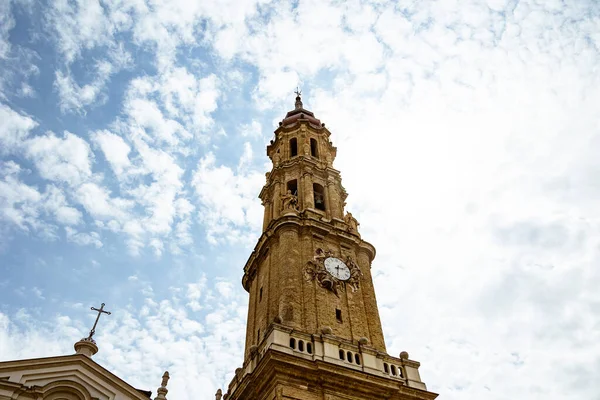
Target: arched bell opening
column 319, row 196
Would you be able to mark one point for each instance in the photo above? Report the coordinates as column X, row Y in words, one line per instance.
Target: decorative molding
column 315, row 270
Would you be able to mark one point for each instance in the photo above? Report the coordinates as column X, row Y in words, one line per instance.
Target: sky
column 132, row 152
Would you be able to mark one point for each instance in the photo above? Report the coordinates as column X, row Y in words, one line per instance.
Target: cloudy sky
column 132, row 151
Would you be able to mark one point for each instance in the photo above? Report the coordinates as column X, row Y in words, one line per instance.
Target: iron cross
column 298, row 91
column 100, row 311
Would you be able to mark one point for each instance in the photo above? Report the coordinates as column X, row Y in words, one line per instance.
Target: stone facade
column 313, row 328
column 71, row 377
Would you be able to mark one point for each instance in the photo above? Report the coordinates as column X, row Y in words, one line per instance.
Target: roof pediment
column 75, row 374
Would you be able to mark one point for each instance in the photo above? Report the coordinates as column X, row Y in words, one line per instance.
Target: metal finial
column 100, row 312
column 298, row 99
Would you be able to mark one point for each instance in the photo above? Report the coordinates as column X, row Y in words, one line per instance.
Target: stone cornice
column 298, row 123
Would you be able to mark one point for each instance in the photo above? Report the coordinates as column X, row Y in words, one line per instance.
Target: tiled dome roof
column 300, row 113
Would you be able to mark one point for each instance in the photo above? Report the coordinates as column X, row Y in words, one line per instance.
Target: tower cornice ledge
column 293, row 126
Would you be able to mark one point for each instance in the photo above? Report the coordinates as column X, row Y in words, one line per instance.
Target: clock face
column 337, row 268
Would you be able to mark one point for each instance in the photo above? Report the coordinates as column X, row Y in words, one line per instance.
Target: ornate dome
column 300, row 113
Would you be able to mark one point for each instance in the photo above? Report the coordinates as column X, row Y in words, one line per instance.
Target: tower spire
column 298, row 103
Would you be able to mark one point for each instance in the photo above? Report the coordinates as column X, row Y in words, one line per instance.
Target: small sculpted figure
column 351, row 222
column 289, row 201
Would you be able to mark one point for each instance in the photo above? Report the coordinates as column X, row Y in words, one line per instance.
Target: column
column 309, row 200
column 267, row 215
column 276, row 199
column 301, row 203
column 334, row 200
column 327, row 201
column 290, row 277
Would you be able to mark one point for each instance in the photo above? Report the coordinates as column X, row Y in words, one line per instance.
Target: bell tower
column 313, row 329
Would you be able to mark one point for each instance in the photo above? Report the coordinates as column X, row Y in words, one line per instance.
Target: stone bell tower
column 313, row 328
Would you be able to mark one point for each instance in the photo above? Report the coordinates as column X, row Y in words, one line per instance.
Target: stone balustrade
column 331, row 349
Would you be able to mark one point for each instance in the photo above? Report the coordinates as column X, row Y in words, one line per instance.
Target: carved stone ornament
column 351, row 222
column 315, row 270
column 289, row 202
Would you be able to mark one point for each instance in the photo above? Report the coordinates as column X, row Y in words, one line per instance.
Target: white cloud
column 79, row 25
column 157, row 246
column 194, row 292
column 20, row 202
column 26, row 90
column 189, row 98
column 147, row 115
column 83, row 238
column 98, row 202
column 135, row 241
column 183, row 236
column 228, row 205
column 38, row 293
column 253, row 129
column 152, row 202
column 7, row 22
column 183, row 112
column 14, row 129
column 55, row 203
column 115, row 149
column 35, row 341
column 158, row 335
column 66, row 159
column 224, row 288
column 30, row 210
column 159, row 196
column 144, row 158
column 76, row 97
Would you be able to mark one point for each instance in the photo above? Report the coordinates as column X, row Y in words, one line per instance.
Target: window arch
column 314, row 151
column 65, row 390
column 292, row 186
column 293, row 147
column 319, row 195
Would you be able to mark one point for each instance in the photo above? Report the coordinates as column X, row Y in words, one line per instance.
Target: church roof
column 39, row 373
column 299, row 112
